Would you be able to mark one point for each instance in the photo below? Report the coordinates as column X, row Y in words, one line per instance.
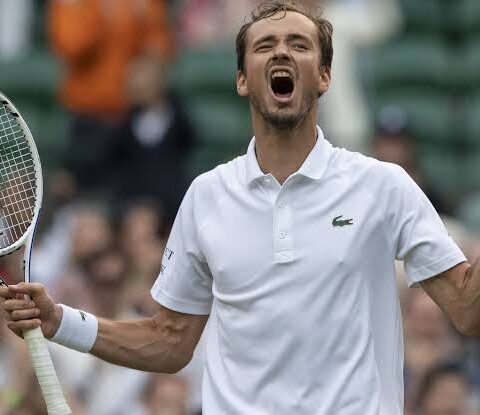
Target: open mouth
column 282, row 84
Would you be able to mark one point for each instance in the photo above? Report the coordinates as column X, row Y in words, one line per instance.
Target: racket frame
column 27, row 238
column 36, row 343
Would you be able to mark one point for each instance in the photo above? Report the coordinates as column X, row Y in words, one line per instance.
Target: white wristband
column 78, row 330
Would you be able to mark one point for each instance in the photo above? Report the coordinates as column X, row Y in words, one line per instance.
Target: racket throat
column 2, row 282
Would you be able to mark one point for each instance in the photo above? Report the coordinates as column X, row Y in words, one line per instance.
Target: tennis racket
column 21, row 188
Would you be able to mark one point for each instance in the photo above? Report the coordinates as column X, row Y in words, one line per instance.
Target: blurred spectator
column 154, row 140
column 393, row 143
column 97, row 286
column 15, row 371
column 142, row 240
column 429, row 340
column 94, row 271
column 76, row 232
column 95, row 41
column 164, row 395
column 445, row 390
column 358, row 25
column 32, row 402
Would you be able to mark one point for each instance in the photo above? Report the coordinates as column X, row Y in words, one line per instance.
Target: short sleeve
column 185, row 282
column 420, row 237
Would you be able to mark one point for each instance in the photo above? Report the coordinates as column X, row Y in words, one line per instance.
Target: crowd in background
column 112, row 200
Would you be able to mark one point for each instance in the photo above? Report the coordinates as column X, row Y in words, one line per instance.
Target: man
column 291, row 248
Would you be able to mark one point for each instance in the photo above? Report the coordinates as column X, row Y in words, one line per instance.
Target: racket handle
column 47, row 377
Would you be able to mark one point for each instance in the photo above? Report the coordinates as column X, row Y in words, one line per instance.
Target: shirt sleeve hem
column 435, row 268
column 181, row 306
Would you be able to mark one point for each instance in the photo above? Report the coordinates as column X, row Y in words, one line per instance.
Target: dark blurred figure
column 445, row 391
column 154, row 140
column 142, row 241
column 429, row 341
column 393, row 142
column 96, row 40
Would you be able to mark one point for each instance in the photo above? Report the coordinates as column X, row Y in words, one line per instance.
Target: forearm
column 163, row 343
column 141, row 345
column 471, row 300
column 457, row 292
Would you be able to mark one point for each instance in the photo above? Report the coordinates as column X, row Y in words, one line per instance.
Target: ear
column 324, row 80
column 242, row 84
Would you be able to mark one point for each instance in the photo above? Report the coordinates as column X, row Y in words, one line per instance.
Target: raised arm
column 457, row 293
column 163, row 343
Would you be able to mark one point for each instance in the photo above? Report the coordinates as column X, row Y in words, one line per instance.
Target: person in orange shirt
column 95, row 41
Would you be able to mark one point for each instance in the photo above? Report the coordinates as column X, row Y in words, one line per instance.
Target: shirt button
column 282, row 204
column 282, row 235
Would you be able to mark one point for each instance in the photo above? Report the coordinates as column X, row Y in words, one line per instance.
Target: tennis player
column 291, row 247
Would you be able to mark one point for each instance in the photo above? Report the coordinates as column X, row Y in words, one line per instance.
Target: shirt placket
column 282, row 228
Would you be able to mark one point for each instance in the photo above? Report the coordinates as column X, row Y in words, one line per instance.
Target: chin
column 286, row 118
column 284, row 122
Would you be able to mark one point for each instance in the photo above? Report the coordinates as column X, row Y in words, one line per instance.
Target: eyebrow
column 272, row 38
column 298, row 36
column 266, row 38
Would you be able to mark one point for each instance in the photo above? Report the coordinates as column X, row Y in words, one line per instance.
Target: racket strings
column 17, row 180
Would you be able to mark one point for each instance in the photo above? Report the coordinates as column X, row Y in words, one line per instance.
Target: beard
column 283, row 120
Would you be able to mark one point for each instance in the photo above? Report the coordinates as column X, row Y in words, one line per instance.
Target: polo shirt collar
column 313, row 167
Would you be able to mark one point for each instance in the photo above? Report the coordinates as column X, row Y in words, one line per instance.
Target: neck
column 282, row 152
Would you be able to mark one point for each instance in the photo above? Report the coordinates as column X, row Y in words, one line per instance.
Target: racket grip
column 45, row 371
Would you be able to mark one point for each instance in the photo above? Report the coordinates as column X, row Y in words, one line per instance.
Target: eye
column 300, row 46
column 263, row 48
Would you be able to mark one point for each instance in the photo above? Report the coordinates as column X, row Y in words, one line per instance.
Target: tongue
column 280, row 95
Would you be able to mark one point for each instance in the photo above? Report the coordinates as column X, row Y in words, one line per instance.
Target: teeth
column 280, row 74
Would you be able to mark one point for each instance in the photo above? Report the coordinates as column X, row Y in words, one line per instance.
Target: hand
column 27, row 314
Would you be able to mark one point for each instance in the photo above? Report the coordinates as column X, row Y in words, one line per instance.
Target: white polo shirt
column 302, row 281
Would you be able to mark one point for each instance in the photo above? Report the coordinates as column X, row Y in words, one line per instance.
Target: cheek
column 255, row 82
column 255, row 69
column 311, row 82
column 310, row 73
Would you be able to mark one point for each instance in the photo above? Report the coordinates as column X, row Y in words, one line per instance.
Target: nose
column 281, row 51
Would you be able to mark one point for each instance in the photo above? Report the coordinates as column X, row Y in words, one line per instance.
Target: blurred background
column 129, row 100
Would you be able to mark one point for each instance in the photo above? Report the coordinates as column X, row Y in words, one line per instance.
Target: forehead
column 282, row 24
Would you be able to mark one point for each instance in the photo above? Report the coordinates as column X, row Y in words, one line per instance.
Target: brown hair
column 268, row 9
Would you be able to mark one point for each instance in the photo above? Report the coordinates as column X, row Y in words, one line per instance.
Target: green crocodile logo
column 339, row 222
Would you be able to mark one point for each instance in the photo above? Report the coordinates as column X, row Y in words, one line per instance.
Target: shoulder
column 212, row 185
column 231, row 172
column 367, row 171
